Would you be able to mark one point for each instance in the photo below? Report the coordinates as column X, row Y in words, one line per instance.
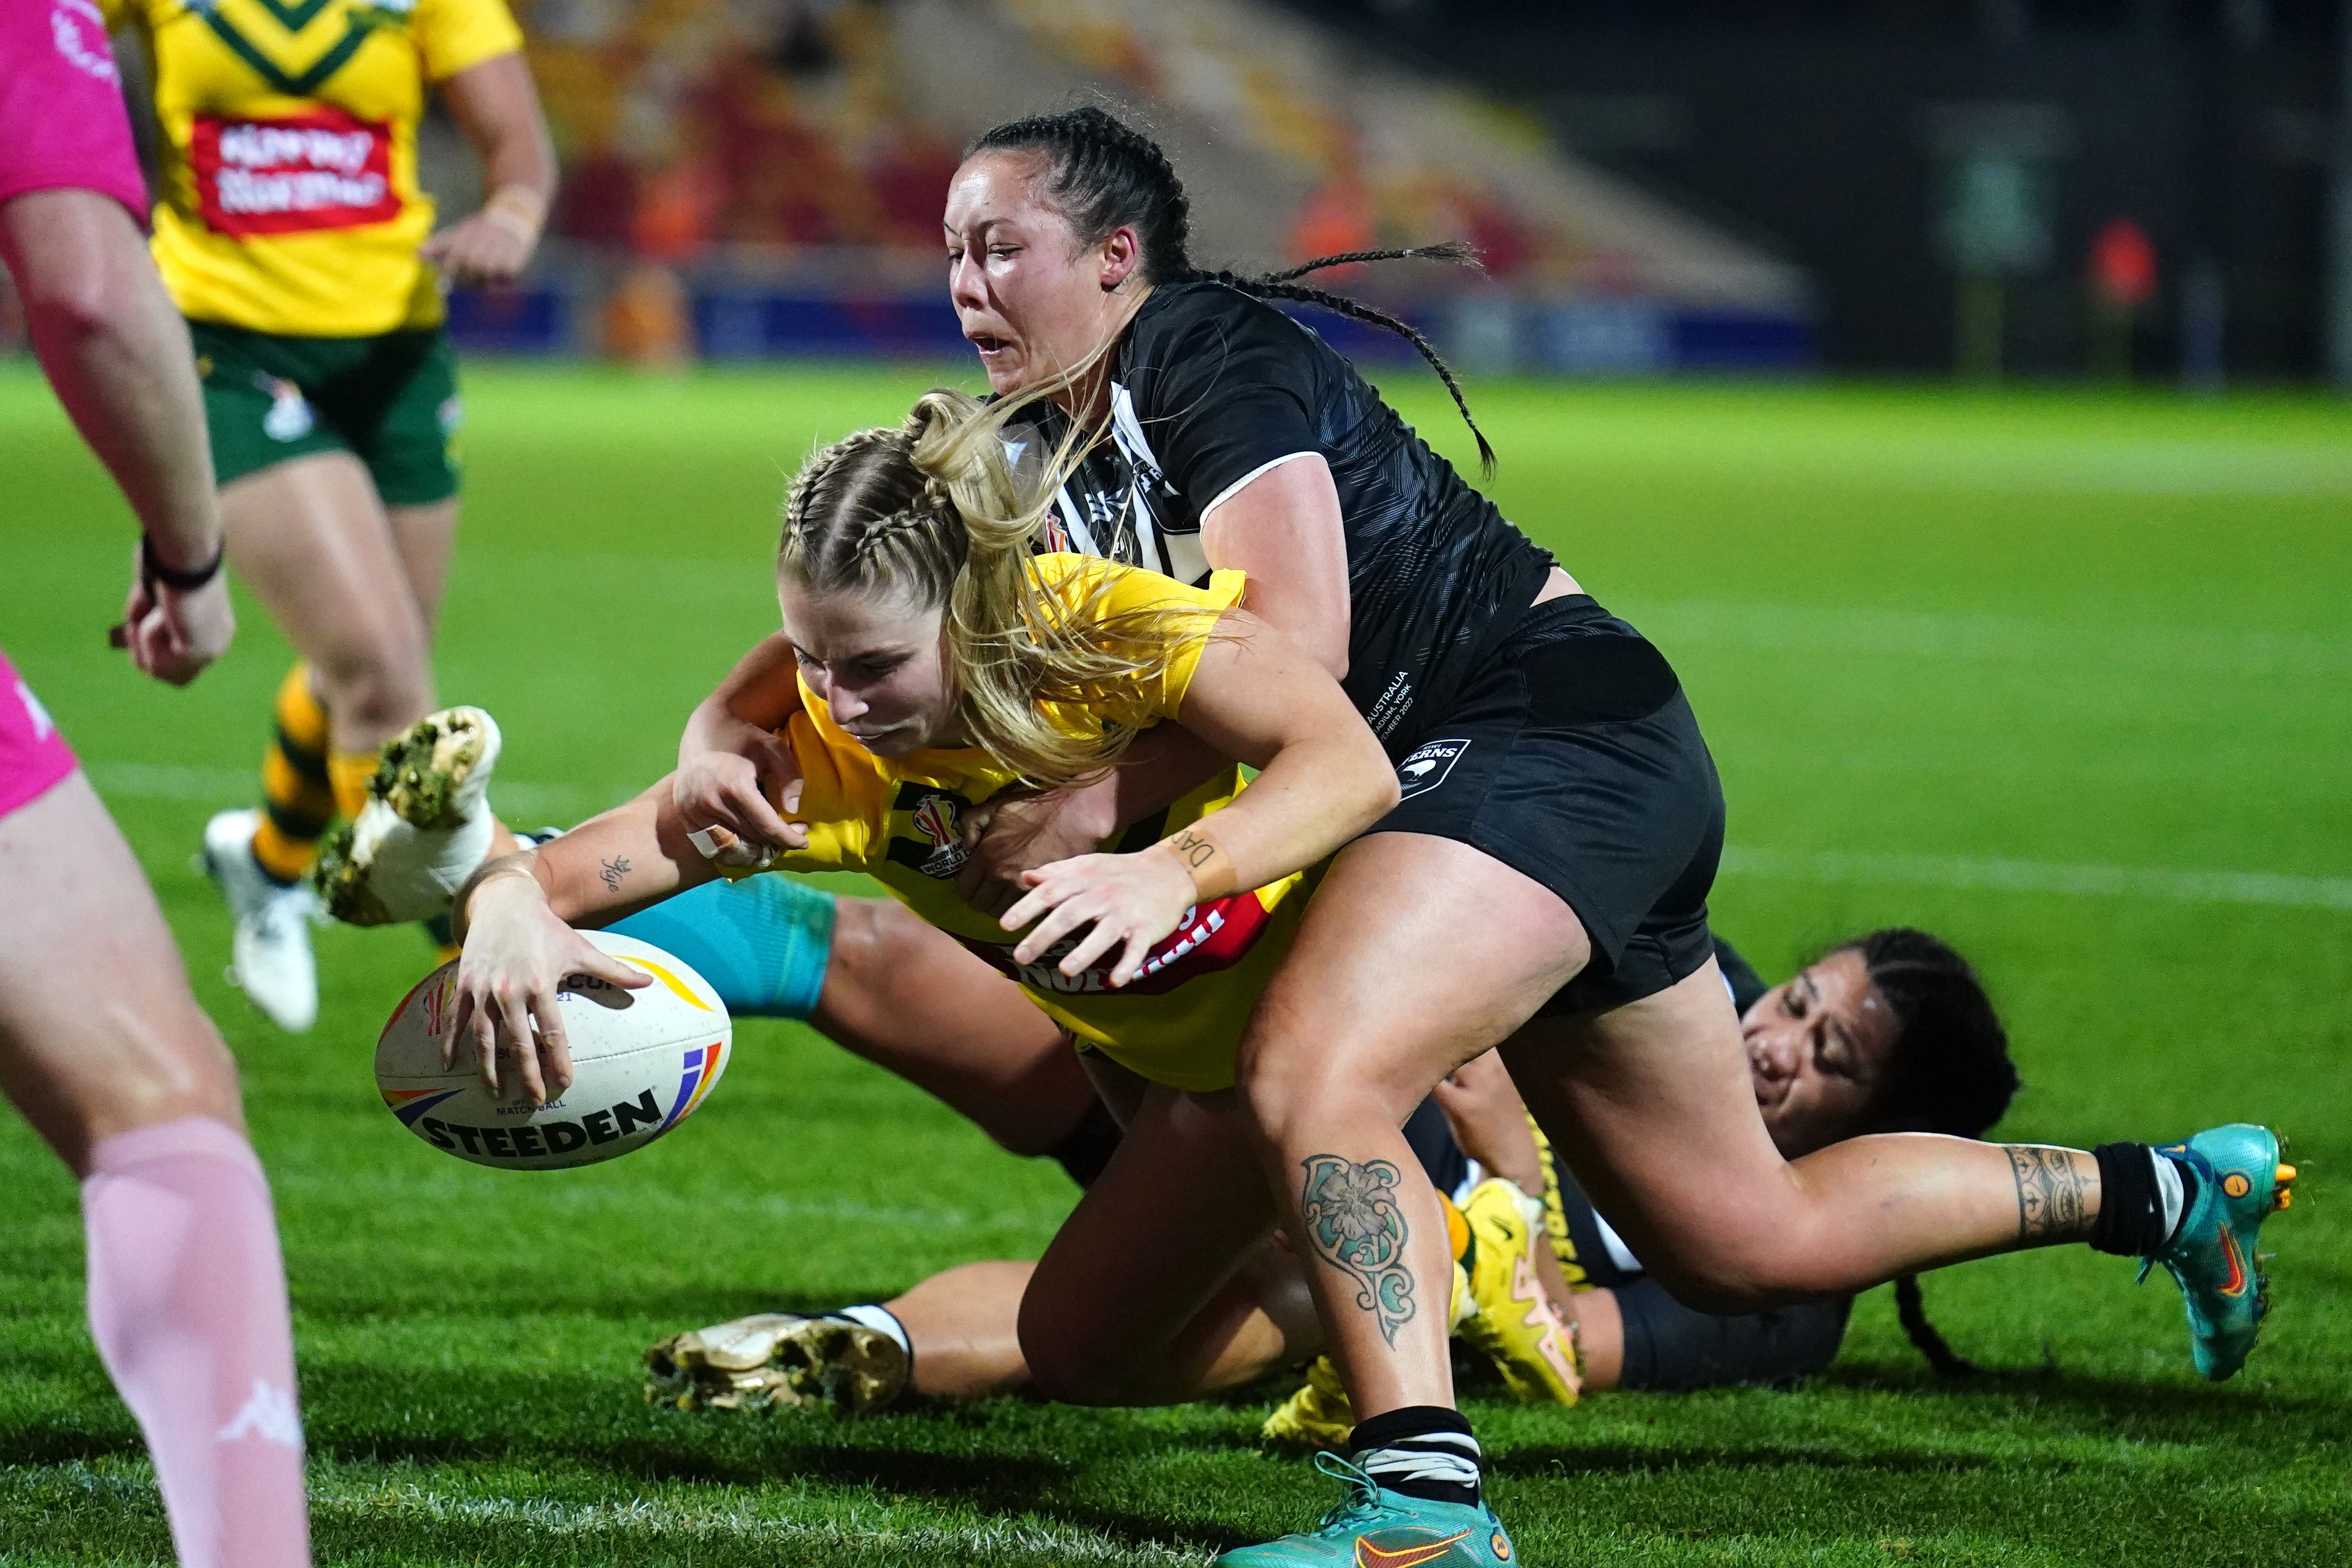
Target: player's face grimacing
column 1818, row 1048
column 877, row 663
column 1030, row 297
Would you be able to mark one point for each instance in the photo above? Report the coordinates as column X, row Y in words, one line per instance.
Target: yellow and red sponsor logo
column 1215, row 934
column 324, row 170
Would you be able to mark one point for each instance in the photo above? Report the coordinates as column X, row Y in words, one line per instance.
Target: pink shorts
column 34, row 758
column 62, row 123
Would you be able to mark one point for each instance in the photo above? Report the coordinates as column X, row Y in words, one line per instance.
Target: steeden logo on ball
column 642, row 1060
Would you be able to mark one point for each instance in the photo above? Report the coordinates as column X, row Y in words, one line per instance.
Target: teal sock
column 763, row 943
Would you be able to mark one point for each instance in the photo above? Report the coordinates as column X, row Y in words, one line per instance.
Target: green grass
column 2065, row 677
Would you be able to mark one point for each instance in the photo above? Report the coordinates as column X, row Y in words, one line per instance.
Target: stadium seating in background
column 750, row 177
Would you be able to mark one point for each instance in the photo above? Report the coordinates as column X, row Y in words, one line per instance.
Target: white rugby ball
column 641, row 1061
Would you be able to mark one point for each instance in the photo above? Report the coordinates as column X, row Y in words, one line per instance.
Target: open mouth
column 988, row 343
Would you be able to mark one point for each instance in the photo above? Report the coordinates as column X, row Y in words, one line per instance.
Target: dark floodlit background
column 2104, row 189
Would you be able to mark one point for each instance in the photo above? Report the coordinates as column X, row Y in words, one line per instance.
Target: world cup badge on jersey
column 936, row 815
column 289, row 417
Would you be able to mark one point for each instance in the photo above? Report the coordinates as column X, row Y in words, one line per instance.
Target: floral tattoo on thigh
column 1354, row 1224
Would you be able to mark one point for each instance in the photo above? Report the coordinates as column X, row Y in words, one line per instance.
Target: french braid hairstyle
column 1104, row 174
column 933, row 513
column 1951, row 1073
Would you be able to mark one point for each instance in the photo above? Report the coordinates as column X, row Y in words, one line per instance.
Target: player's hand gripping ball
column 642, row 1060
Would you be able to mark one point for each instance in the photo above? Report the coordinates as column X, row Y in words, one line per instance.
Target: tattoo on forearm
column 612, row 870
column 2052, row 1193
column 1193, row 849
column 1354, row 1224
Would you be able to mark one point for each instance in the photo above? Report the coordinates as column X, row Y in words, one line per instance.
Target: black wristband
column 154, row 571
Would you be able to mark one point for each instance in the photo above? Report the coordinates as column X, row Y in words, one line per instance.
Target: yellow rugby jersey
column 899, row 820
column 290, row 201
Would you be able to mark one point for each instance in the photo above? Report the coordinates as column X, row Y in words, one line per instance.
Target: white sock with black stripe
column 1421, row 1450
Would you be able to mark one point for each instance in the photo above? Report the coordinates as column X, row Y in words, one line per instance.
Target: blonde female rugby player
column 941, row 663
column 291, row 234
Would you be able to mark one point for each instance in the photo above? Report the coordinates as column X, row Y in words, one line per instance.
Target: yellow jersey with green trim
column 897, row 819
column 290, row 201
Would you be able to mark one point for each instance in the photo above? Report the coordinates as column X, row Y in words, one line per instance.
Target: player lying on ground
column 1557, row 791
column 102, row 1047
column 906, row 725
column 292, row 232
column 1111, row 1319
column 1889, row 1030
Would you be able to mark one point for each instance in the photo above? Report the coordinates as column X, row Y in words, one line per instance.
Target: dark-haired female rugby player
column 1542, row 881
column 1888, row 1031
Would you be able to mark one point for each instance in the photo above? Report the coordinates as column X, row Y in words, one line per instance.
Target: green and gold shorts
column 390, row 401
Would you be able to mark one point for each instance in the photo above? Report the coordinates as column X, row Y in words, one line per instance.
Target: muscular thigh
column 424, row 537
column 98, row 1034
column 312, row 541
column 1417, row 954
column 1651, row 1106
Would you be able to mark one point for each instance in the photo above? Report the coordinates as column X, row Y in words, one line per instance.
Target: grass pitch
column 2066, row 678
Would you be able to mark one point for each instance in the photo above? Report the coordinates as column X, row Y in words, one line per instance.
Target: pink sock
column 188, row 1302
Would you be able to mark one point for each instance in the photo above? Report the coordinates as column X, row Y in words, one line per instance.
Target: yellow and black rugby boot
column 2241, row 1182
column 1514, row 1321
column 773, row 1359
column 1317, row 1416
column 1377, row 1527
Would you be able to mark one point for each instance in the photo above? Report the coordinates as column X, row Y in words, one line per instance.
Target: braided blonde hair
column 933, row 512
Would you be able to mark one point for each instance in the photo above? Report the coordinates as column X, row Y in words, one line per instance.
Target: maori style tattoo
column 1354, row 1224
column 2051, row 1193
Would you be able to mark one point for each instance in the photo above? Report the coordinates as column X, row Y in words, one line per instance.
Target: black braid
column 1105, row 175
column 1947, row 1361
column 1276, row 287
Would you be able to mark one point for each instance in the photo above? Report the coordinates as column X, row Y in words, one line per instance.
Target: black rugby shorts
column 1572, row 758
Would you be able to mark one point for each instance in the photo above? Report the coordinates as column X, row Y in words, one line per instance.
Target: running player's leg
column 311, row 539
column 107, row 1054
column 1164, row 1283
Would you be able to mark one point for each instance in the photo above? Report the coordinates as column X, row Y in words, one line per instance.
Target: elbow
column 1382, row 791
column 75, row 307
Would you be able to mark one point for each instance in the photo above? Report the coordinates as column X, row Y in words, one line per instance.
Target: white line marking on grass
column 1969, row 872
column 177, row 781
column 2059, row 645
column 691, row 1520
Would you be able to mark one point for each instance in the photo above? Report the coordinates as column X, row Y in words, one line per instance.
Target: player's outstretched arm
column 497, row 107
column 1258, row 698
column 118, row 354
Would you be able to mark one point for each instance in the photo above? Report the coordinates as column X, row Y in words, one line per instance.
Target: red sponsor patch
column 324, row 170
column 1212, row 936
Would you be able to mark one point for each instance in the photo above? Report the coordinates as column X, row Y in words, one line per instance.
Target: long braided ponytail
column 1105, row 175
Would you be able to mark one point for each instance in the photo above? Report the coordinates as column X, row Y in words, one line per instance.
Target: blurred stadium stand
column 748, row 177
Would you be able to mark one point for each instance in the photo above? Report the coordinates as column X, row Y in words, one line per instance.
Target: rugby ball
column 641, row 1061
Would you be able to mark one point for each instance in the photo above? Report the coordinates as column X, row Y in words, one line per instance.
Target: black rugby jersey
column 1210, row 388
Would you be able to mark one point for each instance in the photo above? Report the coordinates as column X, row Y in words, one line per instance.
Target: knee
column 377, row 684
column 1285, row 1086
column 1070, row 1365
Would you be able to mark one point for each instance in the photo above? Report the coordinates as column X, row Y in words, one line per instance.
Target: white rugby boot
column 427, row 826
column 269, row 957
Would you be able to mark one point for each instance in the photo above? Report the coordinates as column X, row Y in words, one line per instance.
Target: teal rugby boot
column 2240, row 1181
column 1377, row 1527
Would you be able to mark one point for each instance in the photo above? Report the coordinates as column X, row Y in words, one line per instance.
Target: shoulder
column 1198, row 325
